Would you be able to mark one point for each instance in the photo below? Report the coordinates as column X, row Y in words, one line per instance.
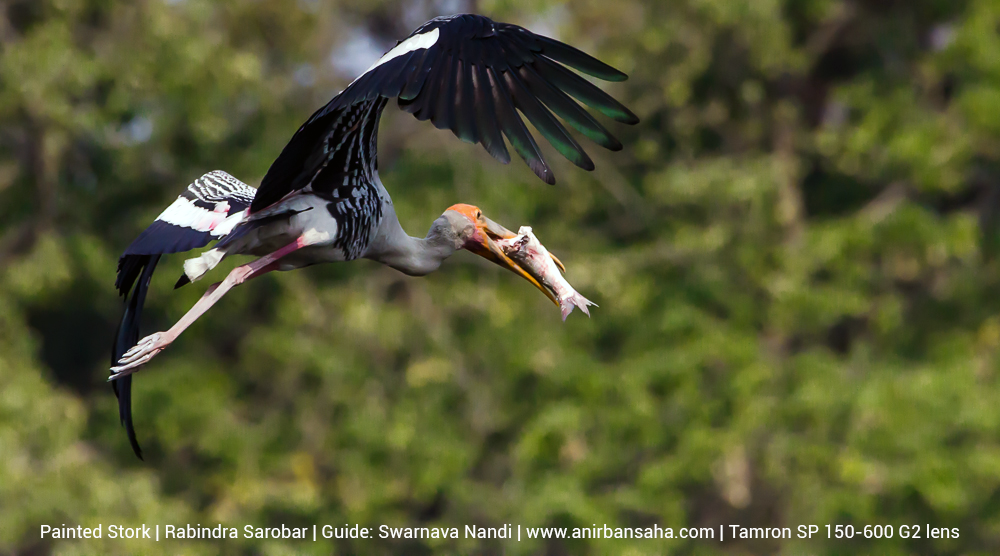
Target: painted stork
column 322, row 200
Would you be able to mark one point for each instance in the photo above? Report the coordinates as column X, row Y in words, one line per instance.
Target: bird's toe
column 139, row 355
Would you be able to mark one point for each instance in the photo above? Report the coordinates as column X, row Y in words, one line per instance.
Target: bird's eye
column 479, row 214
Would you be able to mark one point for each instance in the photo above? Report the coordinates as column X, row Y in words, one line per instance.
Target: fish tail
column 567, row 304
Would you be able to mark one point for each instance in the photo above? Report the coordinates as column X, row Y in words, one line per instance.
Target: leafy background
column 795, row 258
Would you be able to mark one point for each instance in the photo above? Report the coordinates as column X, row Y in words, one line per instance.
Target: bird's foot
column 139, row 355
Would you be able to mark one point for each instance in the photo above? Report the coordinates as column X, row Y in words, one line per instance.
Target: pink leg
column 151, row 345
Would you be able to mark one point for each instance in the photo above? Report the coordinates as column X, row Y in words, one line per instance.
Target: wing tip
column 545, row 173
column 123, row 391
column 182, row 281
column 617, row 77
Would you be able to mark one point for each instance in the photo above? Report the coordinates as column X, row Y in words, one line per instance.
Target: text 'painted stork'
column 322, row 199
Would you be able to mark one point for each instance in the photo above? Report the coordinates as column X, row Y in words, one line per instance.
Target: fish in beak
column 483, row 242
column 529, row 253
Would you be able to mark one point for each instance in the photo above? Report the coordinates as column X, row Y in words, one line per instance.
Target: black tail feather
column 128, row 331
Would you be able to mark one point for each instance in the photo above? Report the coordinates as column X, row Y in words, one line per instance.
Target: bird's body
column 322, row 199
column 380, row 238
column 270, row 230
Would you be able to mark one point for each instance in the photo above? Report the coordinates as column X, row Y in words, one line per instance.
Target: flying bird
column 322, row 200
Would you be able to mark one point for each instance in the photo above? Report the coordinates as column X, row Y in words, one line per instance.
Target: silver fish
column 531, row 255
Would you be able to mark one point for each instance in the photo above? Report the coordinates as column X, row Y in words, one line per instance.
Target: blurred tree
column 795, row 258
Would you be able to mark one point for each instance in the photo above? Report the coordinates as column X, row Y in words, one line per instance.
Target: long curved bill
column 486, row 247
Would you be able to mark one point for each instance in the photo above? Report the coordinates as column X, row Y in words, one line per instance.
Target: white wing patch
column 229, row 223
column 416, row 42
column 184, row 213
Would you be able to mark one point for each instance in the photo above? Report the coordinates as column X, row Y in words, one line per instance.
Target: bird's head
column 474, row 232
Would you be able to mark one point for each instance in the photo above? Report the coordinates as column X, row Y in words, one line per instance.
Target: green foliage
column 795, row 258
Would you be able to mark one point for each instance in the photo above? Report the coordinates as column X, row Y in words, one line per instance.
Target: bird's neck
column 416, row 256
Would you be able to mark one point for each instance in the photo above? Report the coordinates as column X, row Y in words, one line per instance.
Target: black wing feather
column 567, row 109
column 574, row 58
column 465, row 109
column 395, row 83
column 421, row 105
column 545, row 122
column 520, row 53
column 486, row 117
column 415, row 82
column 130, row 267
column 516, row 132
column 475, row 77
column 444, row 111
column 584, row 91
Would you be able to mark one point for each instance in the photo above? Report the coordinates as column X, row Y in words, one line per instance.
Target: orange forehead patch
column 469, row 211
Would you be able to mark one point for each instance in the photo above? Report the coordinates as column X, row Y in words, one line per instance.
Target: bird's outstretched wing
column 465, row 73
column 207, row 209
